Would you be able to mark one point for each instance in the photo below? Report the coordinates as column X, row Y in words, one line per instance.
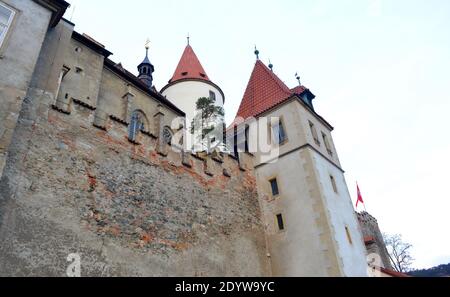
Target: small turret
column 146, row 69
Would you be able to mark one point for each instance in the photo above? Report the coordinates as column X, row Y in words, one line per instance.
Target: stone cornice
column 57, row 7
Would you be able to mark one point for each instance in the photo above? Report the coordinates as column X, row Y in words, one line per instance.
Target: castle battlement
column 150, row 149
column 366, row 217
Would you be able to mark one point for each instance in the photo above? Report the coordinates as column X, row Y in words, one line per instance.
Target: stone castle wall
column 373, row 238
column 74, row 183
column 127, row 210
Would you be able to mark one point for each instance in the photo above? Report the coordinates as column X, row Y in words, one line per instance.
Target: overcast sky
column 379, row 69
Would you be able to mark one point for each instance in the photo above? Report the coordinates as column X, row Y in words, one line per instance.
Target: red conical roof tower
column 189, row 67
column 189, row 83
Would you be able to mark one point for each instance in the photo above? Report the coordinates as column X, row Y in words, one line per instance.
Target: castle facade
column 90, row 165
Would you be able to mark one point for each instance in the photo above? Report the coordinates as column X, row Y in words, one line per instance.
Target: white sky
column 379, row 69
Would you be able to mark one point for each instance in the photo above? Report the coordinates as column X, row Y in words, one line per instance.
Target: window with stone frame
column 274, row 187
column 314, row 133
column 279, row 136
column 349, row 236
column 6, row 17
column 327, row 144
column 247, row 139
column 280, row 222
column 136, row 125
column 212, row 96
column 333, row 183
column 167, row 135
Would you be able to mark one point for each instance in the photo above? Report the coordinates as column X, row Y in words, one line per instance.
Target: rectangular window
column 247, row 139
column 327, row 144
column 274, row 186
column 212, row 96
column 6, row 18
column 333, row 183
column 349, row 236
column 280, row 222
column 314, row 133
column 278, row 133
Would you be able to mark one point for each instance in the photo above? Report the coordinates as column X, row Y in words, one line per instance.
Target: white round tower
column 189, row 83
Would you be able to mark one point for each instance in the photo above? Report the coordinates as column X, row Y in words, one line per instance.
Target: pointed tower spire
column 146, row 68
column 264, row 90
column 189, row 67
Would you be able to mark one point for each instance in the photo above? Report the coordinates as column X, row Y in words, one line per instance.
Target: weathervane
column 298, row 78
column 188, row 39
column 147, row 46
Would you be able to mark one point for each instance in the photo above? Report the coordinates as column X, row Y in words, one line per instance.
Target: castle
column 87, row 167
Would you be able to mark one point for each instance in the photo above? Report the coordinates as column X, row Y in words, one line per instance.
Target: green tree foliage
column 208, row 124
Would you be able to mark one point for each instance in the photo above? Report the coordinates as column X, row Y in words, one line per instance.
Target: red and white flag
column 360, row 198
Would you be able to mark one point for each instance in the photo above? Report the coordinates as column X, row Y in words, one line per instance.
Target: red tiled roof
column 393, row 273
column 298, row 90
column 264, row 91
column 189, row 67
column 369, row 239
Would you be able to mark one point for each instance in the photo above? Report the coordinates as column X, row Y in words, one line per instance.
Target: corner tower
column 190, row 82
column 311, row 226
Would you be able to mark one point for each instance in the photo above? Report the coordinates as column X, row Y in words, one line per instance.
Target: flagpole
column 358, row 198
column 364, row 203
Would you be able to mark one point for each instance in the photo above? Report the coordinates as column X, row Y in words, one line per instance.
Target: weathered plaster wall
column 298, row 250
column 71, row 188
column 113, row 100
column 341, row 215
column 314, row 242
column 18, row 55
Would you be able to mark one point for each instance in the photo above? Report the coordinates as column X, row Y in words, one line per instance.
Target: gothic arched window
column 167, row 135
column 136, row 125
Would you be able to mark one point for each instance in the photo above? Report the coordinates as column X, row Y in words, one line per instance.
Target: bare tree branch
column 399, row 252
